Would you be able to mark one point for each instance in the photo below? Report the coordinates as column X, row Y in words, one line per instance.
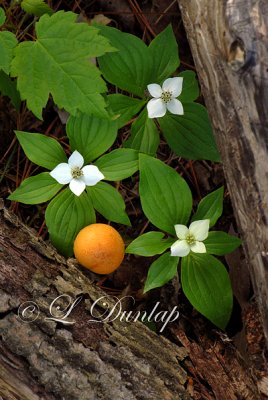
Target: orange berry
column 100, row 248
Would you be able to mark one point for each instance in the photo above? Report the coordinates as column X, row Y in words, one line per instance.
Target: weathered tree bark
column 229, row 42
column 48, row 360
column 45, row 359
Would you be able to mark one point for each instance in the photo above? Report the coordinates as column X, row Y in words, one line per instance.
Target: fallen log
column 54, row 360
column 229, row 43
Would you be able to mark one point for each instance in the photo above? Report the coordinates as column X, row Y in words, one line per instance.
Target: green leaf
column 108, row 202
column 150, row 324
column 36, row 7
column 165, row 58
column 65, row 216
column 210, row 207
column 8, row 87
column 2, row 16
column 41, row 150
column 190, row 88
column 118, row 164
column 150, row 244
column 206, row 284
column 130, row 67
column 165, row 197
column 190, row 135
column 144, row 135
column 161, row 271
column 124, row 106
column 36, row 189
column 220, row 243
column 58, row 63
column 90, row 135
column 8, row 43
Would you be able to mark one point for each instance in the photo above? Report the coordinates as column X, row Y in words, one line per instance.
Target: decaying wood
column 229, row 42
column 48, row 360
column 45, row 359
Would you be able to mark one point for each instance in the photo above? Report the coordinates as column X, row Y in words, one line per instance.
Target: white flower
column 77, row 177
column 190, row 239
column 165, row 98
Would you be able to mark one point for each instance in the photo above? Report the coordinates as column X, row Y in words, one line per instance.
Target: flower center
column 166, row 96
column 190, row 239
column 77, row 172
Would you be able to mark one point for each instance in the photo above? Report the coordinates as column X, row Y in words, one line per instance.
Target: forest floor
column 145, row 19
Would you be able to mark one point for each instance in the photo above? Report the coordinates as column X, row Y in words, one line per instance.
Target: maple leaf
column 36, row 7
column 8, row 42
column 58, row 63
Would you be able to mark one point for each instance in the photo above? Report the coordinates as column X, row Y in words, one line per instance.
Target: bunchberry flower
column 164, row 98
column 190, row 239
column 76, row 175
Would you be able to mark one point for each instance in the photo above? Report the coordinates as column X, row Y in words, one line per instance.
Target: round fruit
column 100, row 248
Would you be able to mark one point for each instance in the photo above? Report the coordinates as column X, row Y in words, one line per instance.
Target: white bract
column 164, row 98
column 190, row 239
column 76, row 175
